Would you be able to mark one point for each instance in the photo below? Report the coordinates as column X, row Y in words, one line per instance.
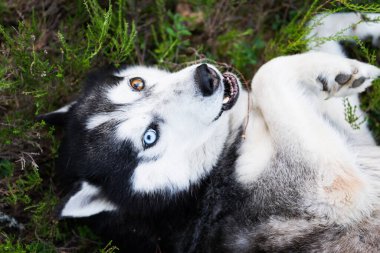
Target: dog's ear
column 57, row 117
column 85, row 201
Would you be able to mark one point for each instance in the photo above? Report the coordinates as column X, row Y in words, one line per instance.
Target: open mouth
column 231, row 91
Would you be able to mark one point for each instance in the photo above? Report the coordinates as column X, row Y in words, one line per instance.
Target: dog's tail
column 328, row 30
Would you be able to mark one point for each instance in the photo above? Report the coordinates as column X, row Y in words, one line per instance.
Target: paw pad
column 341, row 82
column 346, row 79
column 358, row 82
column 342, row 78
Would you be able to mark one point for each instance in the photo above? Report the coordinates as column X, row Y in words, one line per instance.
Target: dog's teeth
column 226, row 99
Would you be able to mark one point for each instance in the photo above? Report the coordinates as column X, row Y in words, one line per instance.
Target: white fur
column 65, row 108
column 123, row 93
column 256, row 154
column 257, row 150
column 189, row 144
column 345, row 25
column 290, row 111
column 190, row 141
column 180, row 166
column 86, row 202
column 290, row 105
column 326, row 27
column 97, row 120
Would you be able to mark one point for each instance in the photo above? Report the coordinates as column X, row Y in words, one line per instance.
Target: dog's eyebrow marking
column 97, row 120
column 177, row 92
column 157, row 119
column 103, row 118
column 150, row 159
column 127, row 104
column 108, row 126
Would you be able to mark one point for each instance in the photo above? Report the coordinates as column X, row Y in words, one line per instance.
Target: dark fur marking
column 178, row 92
column 323, row 81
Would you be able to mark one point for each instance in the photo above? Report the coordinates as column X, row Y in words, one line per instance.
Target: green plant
column 350, row 113
column 169, row 35
column 34, row 72
column 18, row 189
column 109, row 248
column 240, row 48
column 6, row 168
column 46, row 47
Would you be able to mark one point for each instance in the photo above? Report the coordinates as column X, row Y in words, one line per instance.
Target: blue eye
column 150, row 137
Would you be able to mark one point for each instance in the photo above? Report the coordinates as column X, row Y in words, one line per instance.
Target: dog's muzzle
column 207, row 80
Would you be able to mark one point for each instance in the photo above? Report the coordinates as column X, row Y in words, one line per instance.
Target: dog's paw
column 347, row 78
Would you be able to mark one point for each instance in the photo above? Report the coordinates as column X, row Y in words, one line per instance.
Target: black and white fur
column 302, row 180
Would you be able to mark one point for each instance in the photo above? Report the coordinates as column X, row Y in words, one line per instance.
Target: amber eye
column 137, row 83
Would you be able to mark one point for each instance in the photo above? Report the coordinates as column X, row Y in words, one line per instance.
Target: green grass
column 46, row 49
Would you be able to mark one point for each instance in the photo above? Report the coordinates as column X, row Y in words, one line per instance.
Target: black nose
column 206, row 79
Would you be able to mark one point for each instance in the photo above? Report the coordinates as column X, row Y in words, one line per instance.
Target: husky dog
column 192, row 162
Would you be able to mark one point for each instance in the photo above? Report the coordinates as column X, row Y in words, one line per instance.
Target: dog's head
column 143, row 134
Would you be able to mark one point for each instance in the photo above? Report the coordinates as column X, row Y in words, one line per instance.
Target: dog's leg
column 297, row 84
column 325, row 28
column 288, row 91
